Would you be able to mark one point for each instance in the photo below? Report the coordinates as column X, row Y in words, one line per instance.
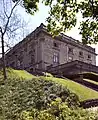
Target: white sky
column 40, row 17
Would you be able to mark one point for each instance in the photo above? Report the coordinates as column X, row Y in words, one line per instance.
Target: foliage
column 30, row 99
column 10, row 26
column 13, row 74
column 19, row 74
column 58, row 110
column 83, row 92
column 17, row 95
column 62, row 16
column 31, row 6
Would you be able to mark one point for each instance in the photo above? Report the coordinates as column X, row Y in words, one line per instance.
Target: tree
column 10, row 25
column 62, row 16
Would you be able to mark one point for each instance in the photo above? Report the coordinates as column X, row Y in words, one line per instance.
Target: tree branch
column 4, row 9
column 10, row 16
column 1, row 30
column 8, row 50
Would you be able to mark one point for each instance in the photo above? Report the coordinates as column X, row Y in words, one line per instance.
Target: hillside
column 20, row 93
column 81, row 91
column 23, row 95
column 84, row 93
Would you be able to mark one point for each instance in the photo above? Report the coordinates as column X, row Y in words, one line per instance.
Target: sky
column 40, row 17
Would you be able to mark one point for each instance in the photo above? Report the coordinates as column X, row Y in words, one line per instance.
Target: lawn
column 22, row 74
column 83, row 92
column 91, row 81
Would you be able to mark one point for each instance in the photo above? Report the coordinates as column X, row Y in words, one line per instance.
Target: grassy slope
column 91, row 81
column 83, row 92
column 11, row 73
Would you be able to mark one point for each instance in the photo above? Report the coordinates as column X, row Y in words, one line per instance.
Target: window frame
column 89, row 57
column 70, row 50
column 80, row 53
column 55, row 57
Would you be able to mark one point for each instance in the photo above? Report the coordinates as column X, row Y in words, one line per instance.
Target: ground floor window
column 56, row 58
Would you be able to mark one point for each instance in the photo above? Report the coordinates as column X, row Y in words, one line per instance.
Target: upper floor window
column 81, row 54
column 89, row 56
column 55, row 44
column 70, row 50
column 56, row 58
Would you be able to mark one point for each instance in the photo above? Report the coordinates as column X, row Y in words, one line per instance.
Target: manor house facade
column 39, row 50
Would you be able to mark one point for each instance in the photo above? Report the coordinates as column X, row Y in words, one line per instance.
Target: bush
column 20, row 95
column 58, row 110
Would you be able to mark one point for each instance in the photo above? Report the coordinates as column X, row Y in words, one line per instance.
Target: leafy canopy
column 62, row 16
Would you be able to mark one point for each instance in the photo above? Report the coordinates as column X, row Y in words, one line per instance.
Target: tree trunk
column 3, row 57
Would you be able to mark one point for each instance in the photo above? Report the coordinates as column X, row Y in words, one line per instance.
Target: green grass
column 91, row 81
column 21, row 74
column 83, row 92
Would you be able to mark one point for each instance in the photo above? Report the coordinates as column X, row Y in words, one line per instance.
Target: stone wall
column 37, row 50
column 62, row 49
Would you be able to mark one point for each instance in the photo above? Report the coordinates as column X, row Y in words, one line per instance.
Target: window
column 70, row 58
column 80, row 53
column 56, row 45
column 32, row 59
column 32, row 56
column 18, row 63
column 70, row 50
column 89, row 56
column 56, row 58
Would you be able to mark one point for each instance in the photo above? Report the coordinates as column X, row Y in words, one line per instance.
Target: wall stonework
column 49, row 49
column 37, row 50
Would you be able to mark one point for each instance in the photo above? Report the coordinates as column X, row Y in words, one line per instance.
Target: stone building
column 39, row 50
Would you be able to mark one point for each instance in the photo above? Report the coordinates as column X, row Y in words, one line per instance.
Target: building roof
column 62, row 37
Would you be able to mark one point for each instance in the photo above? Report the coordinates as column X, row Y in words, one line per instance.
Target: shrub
column 19, row 95
column 58, row 110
